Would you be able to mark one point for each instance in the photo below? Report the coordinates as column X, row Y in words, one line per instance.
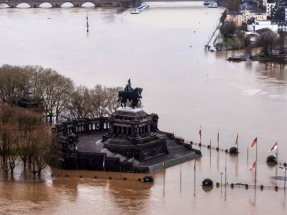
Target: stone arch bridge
column 75, row 3
column 79, row 3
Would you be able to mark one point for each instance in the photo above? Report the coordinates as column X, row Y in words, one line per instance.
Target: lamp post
column 285, row 175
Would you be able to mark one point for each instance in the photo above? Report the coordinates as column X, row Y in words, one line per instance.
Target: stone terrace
column 178, row 153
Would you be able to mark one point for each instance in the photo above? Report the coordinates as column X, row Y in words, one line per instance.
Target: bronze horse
column 134, row 96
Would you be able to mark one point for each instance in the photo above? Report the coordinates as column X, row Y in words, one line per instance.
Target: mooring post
column 180, row 179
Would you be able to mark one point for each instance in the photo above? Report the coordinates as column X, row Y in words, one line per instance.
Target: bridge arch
column 87, row 4
column 23, row 5
column 69, row 4
column 4, row 5
column 43, row 5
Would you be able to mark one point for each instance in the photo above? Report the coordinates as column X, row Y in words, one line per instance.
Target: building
column 282, row 25
column 270, row 5
column 235, row 17
column 257, row 13
column 257, row 25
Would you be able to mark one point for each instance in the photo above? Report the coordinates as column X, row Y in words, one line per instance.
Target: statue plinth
column 131, row 136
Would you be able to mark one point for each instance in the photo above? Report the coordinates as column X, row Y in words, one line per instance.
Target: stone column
column 148, row 128
column 122, row 131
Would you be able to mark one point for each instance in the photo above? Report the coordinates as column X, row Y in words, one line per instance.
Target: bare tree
column 78, row 106
column 5, row 147
column 53, row 88
column 13, row 82
column 112, row 100
column 228, row 29
column 26, row 123
column 233, row 5
column 267, row 40
column 103, row 100
column 41, row 140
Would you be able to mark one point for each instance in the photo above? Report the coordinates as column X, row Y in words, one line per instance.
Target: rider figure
column 128, row 87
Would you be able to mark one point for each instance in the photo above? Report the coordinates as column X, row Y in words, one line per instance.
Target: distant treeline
column 57, row 94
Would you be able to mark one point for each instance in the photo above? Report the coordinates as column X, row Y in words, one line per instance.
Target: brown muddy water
column 160, row 50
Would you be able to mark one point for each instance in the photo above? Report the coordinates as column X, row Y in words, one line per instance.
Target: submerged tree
column 267, row 40
column 40, row 140
column 26, row 123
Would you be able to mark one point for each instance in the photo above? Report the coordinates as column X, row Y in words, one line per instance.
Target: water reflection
column 207, row 188
column 129, row 196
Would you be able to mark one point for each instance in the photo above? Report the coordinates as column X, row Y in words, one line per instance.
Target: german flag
column 254, row 142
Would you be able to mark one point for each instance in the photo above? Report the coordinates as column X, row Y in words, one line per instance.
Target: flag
column 273, row 147
column 254, row 142
column 236, row 141
column 253, row 166
column 104, row 161
column 218, row 137
column 199, row 132
column 194, row 166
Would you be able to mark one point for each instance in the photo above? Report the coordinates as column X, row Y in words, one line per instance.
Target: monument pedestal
column 130, row 135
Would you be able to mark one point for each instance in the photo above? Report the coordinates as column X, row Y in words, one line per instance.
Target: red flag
column 236, row 141
column 273, row 147
column 253, row 166
column 254, row 142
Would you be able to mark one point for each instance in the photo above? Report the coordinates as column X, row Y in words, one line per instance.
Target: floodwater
column 160, row 50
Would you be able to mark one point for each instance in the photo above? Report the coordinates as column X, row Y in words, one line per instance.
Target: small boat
column 212, row 5
column 238, row 58
column 139, row 9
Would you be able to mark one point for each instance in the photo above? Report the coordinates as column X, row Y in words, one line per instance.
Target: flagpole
column 256, row 163
column 194, row 171
column 237, row 141
column 218, row 139
column 285, row 176
column 210, row 147
column 277, row 154
column 200, row 134
column 194, row 175
column 225, row 172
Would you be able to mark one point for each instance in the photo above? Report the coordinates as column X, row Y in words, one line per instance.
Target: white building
column 257, row 25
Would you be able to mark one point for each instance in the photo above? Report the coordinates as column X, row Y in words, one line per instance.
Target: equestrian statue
column 131, row 95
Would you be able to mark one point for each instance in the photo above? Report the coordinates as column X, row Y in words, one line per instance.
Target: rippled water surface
column 160, row 50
